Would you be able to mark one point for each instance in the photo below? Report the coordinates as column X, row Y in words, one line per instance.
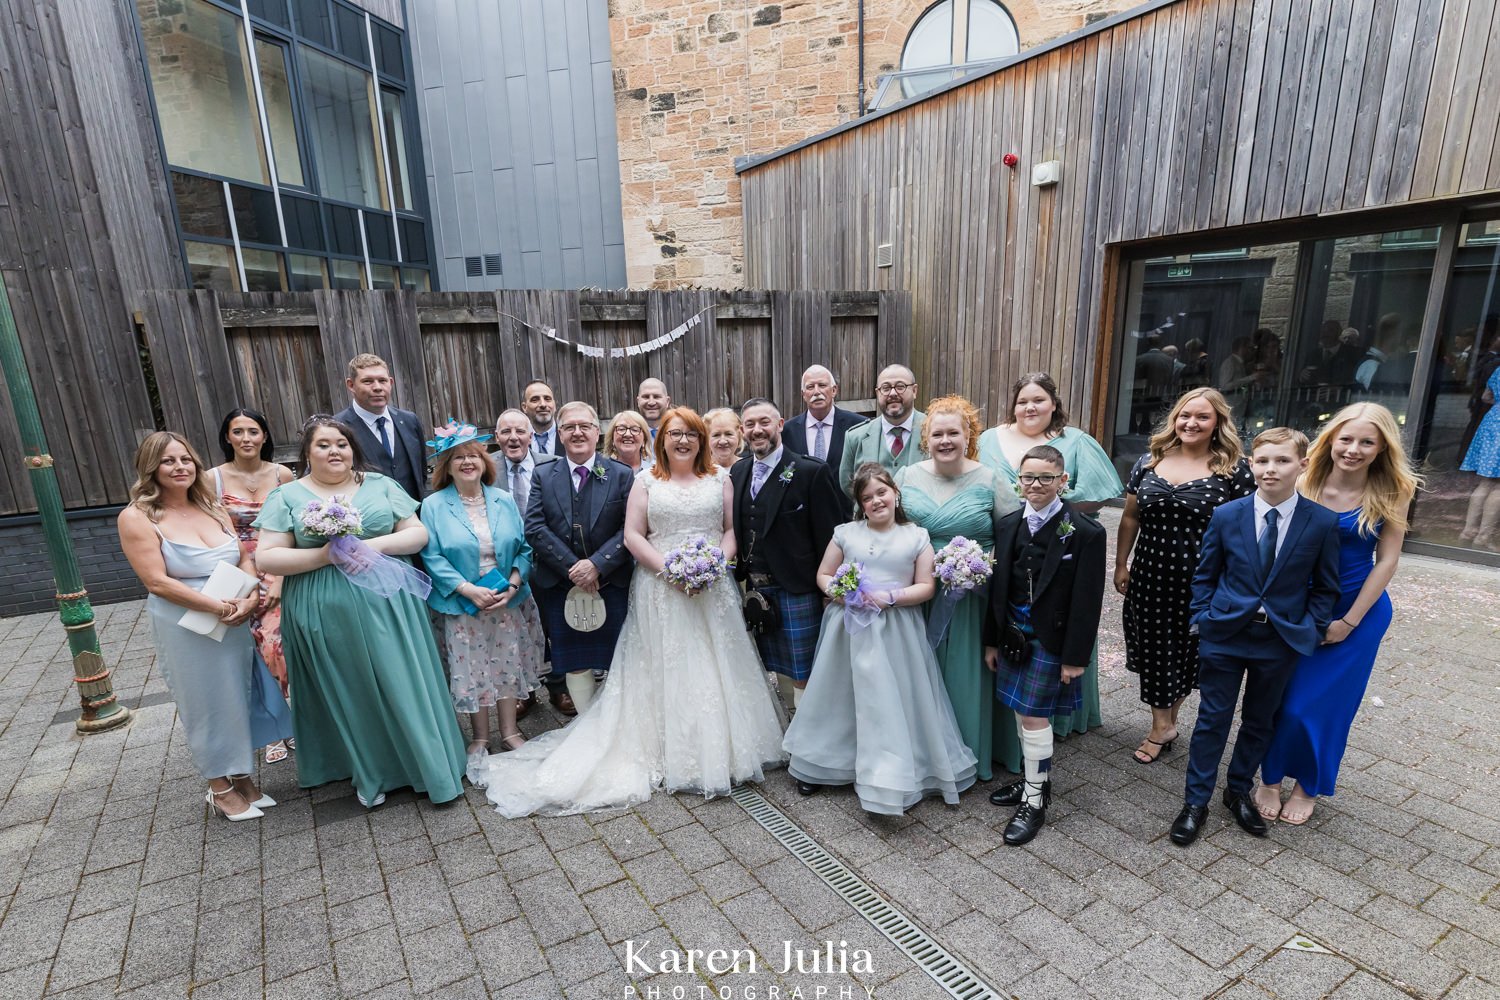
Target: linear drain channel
column 948, row 972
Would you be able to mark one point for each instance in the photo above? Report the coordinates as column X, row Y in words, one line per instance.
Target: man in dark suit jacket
column 785, row 509
column 540, row 409
column 1263, row 595
column 1048, row 589
column 575, row 522
column 390, row 439
column 819, row 432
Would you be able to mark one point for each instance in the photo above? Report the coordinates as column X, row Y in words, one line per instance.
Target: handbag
column 1014, row 645
column 762, row 614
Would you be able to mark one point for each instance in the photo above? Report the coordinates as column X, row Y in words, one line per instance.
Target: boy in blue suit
column 1267, row 580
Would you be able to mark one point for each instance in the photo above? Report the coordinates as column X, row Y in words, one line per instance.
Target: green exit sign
column 1179, row 270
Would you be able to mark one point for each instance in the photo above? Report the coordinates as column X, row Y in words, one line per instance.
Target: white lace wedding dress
column 687, row 705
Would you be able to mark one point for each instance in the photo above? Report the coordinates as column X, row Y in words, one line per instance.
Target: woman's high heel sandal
column 250, row 812
column 1143, row 756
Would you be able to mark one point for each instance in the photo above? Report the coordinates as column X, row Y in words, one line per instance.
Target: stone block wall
column 700, row 82
column 26, row 583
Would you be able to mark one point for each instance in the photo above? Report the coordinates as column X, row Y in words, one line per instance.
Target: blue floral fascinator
column 452, row 435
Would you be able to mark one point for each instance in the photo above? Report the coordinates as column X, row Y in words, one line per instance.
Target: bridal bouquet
column 961, row 567
column 860, row 605
column 695, row 566
column 339, row 521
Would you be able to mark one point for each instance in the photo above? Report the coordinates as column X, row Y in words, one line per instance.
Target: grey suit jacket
column 866, row 443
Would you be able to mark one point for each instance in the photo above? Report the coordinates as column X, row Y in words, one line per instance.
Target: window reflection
column 338, row 99
column 395, row 144
column 211, row 266
column 262, row 270
column 276, row 88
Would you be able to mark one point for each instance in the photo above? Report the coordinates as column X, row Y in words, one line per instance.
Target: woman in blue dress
column 1357, row 467
column 1482, row 521
column 953, row 494
column 1037, row 416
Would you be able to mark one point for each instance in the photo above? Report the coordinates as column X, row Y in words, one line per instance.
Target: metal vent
column 473, row 267
column 956, row 979
column 883, row 255
column 491, row 263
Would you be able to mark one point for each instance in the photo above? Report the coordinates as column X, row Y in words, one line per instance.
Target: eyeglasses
column 886, row 388
column 624, row 431
column 1044, row 478
column 570, row 428
column 678, row 434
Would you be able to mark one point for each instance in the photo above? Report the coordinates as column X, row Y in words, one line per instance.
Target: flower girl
column 875, row 712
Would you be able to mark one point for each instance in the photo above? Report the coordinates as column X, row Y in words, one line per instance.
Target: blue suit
column 451, row 556
column 1298, row 596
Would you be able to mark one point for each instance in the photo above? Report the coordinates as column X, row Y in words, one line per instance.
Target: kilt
column 789, row 650
column 572, row 650
column 1035, row 688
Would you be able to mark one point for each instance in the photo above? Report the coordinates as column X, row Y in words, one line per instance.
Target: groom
column 785, row 509
column 575, row 522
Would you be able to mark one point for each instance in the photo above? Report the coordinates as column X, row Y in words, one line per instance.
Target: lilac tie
column 762, row 470
column 820, row 445
column 582, row 473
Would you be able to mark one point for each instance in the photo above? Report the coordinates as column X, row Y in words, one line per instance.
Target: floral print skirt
column 494, row 654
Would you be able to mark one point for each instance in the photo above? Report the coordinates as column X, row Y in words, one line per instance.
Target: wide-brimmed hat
column 453, row 434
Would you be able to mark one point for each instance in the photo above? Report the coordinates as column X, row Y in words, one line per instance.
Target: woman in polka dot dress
column 1195, row 463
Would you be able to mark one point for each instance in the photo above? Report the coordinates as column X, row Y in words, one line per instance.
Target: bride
column 686, row 706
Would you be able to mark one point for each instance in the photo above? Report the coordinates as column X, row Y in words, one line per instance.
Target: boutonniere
column 600, row 475
column 1066, row 528
column 786, row 474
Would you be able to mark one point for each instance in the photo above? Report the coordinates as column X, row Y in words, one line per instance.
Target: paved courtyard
column 115, row 881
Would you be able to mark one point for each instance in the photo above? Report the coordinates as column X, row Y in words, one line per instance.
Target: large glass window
column 1460, row 437
column 395, row 144
column 1289, row 332
column 276, row 88
column 200, row 74
column 212, row 266
column 339, row 101
column 952, row 34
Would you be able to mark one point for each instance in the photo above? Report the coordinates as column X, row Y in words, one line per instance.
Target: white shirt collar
column 1047, row 513
column 1283, row 510
column 573, row 466
column 527, row 462
column 905, row 425
column 369, row 416
column 813, row 421
column 772, row 460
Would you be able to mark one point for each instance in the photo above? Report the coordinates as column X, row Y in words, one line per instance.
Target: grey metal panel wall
column 518, row 128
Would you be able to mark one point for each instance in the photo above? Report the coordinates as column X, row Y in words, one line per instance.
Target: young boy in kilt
column 1045, row 600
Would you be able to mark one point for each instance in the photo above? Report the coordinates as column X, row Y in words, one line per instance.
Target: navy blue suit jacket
column 796, row 439
column 1298, row 594
column 549, row 523
column 413, row 475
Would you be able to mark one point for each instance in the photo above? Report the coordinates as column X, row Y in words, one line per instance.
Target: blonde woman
column 1358, row 468
column 725, row 437
column 174, row 532
column 629, row 441
column 1195, row 463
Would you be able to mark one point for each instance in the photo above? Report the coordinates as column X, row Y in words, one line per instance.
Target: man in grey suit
column 390, row 439
column 515, row 472
column 819, row 433
column 894, row 438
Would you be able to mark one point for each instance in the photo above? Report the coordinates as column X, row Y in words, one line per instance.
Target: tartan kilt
column 573, row 650
column 789, row 650
column 1035, row 688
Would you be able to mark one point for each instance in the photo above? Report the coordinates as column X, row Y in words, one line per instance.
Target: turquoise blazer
column 452, row 553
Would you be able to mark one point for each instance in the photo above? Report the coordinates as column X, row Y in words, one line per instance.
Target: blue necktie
column 1268, row 544
column 385, row 437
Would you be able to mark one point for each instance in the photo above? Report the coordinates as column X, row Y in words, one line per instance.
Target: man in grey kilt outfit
column 785, row 509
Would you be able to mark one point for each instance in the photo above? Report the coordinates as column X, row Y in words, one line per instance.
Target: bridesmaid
column 370, row 700
column 242, row 483
column 952, row 494
column 1358, row 467
column 1037, row 416
column 174, row 533
column 1195, row 463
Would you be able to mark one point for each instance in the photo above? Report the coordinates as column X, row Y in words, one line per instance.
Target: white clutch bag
column 227, row 583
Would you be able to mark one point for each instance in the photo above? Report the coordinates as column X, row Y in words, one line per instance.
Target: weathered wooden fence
column 468, row 355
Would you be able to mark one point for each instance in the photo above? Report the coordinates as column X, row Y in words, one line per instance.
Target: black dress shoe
column 808, row 788
column 1025, row 824
column 1013, row 793
column 1242, row 808
column 1188, row 824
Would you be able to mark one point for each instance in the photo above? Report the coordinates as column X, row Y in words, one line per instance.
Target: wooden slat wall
column 1193, row 116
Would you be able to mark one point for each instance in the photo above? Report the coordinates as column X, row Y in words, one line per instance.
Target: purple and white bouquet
column 339, row 521
column 860, row 605
column 961, row 567
column 695, row 566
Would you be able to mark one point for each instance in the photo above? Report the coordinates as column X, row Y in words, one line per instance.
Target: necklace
column 474, row 501
column 253, row 482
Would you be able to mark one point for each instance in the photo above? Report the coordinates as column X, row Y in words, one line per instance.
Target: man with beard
column 819, row 433
column 538, row 404
column 894, row 438
column 785, row 509
column 651, row 401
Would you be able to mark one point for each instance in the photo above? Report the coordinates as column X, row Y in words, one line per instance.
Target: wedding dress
column 686, row 705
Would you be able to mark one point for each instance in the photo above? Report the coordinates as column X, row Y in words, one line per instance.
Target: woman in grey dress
column 174, row 532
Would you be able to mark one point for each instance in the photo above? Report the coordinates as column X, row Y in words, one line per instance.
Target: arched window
column 949, row 39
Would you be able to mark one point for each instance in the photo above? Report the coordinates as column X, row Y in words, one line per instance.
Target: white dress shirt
column 890, row 438
column 528, row 465
column 1041, row 517
column 812, row 435
column 1284, row 511
column 541, row 444
column 370, row 417
column 573, row 468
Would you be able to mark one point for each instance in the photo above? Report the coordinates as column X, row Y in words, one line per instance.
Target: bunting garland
column 633, row 350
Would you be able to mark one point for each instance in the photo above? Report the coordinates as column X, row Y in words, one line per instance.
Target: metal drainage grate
column 948, row 972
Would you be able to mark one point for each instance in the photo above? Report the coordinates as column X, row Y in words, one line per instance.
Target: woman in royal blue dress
column 1357, row 467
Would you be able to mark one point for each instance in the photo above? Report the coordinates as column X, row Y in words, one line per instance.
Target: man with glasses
column 819, row 433
column 894, row 437
column 575, row 522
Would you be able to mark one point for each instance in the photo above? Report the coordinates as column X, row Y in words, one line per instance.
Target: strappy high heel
column 1142, row 758
column 264, row 802
column 251, row 812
